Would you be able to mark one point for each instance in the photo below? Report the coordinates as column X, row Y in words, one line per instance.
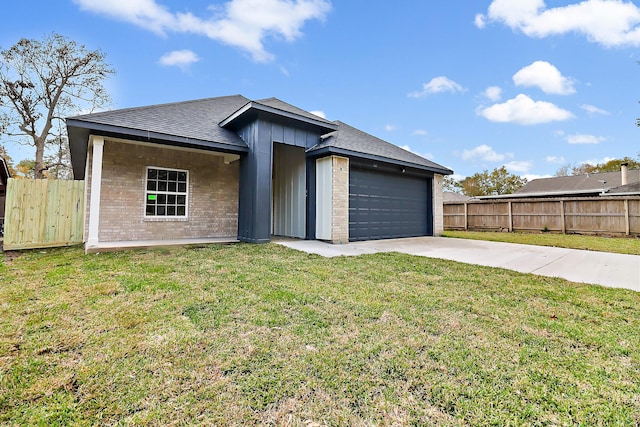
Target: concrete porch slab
column 149, row 244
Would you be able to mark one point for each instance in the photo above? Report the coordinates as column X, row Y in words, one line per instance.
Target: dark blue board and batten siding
column 387, row 204
column 254, row 218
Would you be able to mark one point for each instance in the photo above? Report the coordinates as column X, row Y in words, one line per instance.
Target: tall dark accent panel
column 311, row 198
column 256, row 169
column 254, row 218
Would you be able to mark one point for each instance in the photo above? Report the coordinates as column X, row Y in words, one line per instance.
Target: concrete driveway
column 600, row 268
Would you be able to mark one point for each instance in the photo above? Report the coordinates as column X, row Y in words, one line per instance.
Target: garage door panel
column 383, row 205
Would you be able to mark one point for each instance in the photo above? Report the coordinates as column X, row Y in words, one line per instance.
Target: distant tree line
column 500, row 181
column 610, row 166
column 485, row 183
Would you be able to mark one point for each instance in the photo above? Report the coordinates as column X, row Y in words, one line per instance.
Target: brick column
column 438, row 208
column 96, row 183
column 340, row 200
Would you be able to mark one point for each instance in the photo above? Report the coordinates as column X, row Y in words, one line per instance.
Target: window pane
column 166, row 192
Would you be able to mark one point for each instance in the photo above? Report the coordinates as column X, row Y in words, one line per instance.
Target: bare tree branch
column 42, row 81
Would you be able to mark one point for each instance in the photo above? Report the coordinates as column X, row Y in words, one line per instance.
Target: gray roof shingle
column 354, row 140
column 200, row 120
column 281, row 105
column 572, row 184
column 196, row 120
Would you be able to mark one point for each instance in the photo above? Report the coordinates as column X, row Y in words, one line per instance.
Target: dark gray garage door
column 386, row 205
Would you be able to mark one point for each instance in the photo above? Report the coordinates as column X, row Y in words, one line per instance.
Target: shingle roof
column 356, row 141
column 281, row 105
column 196, row 120
column 634, row 188
column 200, row 121
column 572, row 184
column 450, row 196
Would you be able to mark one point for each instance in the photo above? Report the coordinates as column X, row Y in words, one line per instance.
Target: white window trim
column 146, row 217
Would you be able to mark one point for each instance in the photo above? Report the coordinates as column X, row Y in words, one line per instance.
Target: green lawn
column 263, row 335
column 620, row 245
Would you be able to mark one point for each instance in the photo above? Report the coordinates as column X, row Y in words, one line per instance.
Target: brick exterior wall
column 438, row 209
column 340, row 200
column 212, row 198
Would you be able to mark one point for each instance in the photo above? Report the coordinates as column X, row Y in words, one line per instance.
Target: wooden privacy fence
column 42, row 213
column 585, row 215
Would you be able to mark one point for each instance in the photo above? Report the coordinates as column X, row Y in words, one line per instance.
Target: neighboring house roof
column 348, row 140
column 633, row 188
column 450, row 196
column 575, row 185
column 211, row 124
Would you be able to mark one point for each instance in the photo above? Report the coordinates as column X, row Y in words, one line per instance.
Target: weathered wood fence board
column 43, row 213
column 611, row 215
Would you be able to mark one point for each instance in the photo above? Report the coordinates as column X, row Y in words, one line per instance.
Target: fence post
column 627, row 224
column 563, row 225
column 466, row 222
column 510, row 218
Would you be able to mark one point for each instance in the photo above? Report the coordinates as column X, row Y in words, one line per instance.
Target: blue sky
column 471, row 85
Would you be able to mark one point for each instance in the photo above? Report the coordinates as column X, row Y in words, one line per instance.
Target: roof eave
column 157, row 136
column 319, row 152
column 236, row 118
column 540, row 194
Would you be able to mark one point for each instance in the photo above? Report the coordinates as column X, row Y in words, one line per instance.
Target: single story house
column 232, row 168
column 4, row 177
column 451, row 197
column 586, row 185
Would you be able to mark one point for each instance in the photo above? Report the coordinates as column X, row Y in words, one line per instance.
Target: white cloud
column 438, row 85
column 555, row 159
column 425, row 155
column 524, row 111
column 592, row 109
column 584, row 139
column 519, row 166
column 480, row 21
column 607, row 22
column 485, row 153
column 319, row 114
column 179, row 58
column 596, row 161
column 545, row 76
column 420, row 132
column 239, row 23
column 493, row 93
column 390, row 127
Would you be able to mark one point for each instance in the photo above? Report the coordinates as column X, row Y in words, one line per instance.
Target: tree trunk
column 40, row 166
